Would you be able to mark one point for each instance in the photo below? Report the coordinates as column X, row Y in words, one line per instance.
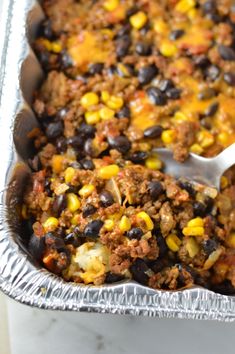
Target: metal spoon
column 199, row 169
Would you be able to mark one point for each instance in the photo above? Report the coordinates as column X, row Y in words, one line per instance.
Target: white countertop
column 33, row 331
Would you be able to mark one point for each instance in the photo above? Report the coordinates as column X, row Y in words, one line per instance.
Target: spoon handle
column 226, row 159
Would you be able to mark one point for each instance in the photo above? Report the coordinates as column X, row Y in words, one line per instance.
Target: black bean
column 124, row 112
column 46, row 30
column 212, row 72
column 143, row 48
column 157, row 265
column 61, row 144
column 165, row 84
column 72, row 239
column 35, row 163
column 122, row 46
column 65, row 60
column 76, row 165
column 87, row 164
column 206, row 123
column 206, row 94
column 93, row 228
column 124, row 30
column 188, row 187
column 59, row 204
column 54, row 130
column 156, row 96
column 96, row 68
column 155, row 189
column 209, row 246
column 209, row 204
column 209, row 7
column 120, row 143
column 153, row 132
column 37, row 246
column 88, row 210
column 163, row 249
column 132, row 10
column 106, row 198
column 229, row 78
column 176, row 34
column 72, row 189
column 89, row 148
column 146, row 74
column 201, row 61
column 44, row 58
column 212, row 109
column 62, row 112
column 87, row 130
column 138, row 157
column 76, row 141
column 47, row 187
column 199, row 209
column 173, row 93
column 226, row 53
column 54, row 242
column 135, row 233
column 138, row 270
column 113, row 278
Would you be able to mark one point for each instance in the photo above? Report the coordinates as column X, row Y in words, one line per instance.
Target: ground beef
column 119, row 83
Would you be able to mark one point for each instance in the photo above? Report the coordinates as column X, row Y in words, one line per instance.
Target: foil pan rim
column 36, row 287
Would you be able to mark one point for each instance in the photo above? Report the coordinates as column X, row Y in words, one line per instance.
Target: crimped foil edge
column 30, row 285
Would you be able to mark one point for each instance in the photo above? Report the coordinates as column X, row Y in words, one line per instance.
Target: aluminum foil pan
column 20, row 277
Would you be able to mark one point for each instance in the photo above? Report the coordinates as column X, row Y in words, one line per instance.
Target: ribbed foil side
column 20, row 277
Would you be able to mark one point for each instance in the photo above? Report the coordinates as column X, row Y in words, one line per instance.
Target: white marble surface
column 36, row 331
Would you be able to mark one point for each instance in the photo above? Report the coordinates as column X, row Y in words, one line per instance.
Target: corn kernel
column 86, row 190
column 123, row 70
column 115, row 216
column 92, row 117
column 106, row 113
column 185, row 5
column 69, row 174
column 57, row 163
column 180, row 116
column 138, row 20
column 231, row 240
column 192, row 14
column 111, row 5
column 115, row 102
column 153, row 163
column 56, row 47
column 223, row 138
column 168, row 49
column 193, row 231
column 75, row 218
column 223, row 182
column 89, row 99
column 168, row 136
column 124, row 224
column 148, row 221
column 105, row 96
column 173, row 242
column 108, row 172
column 205, row 139
column 196, row 149
column 195, row 222
column 51, row 224
column 192, row 247
column 160, row 26
column 73, row 202
column 109, row 225
column 46, row 43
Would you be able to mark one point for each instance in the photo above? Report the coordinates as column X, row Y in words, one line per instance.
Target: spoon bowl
column 197, row 168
